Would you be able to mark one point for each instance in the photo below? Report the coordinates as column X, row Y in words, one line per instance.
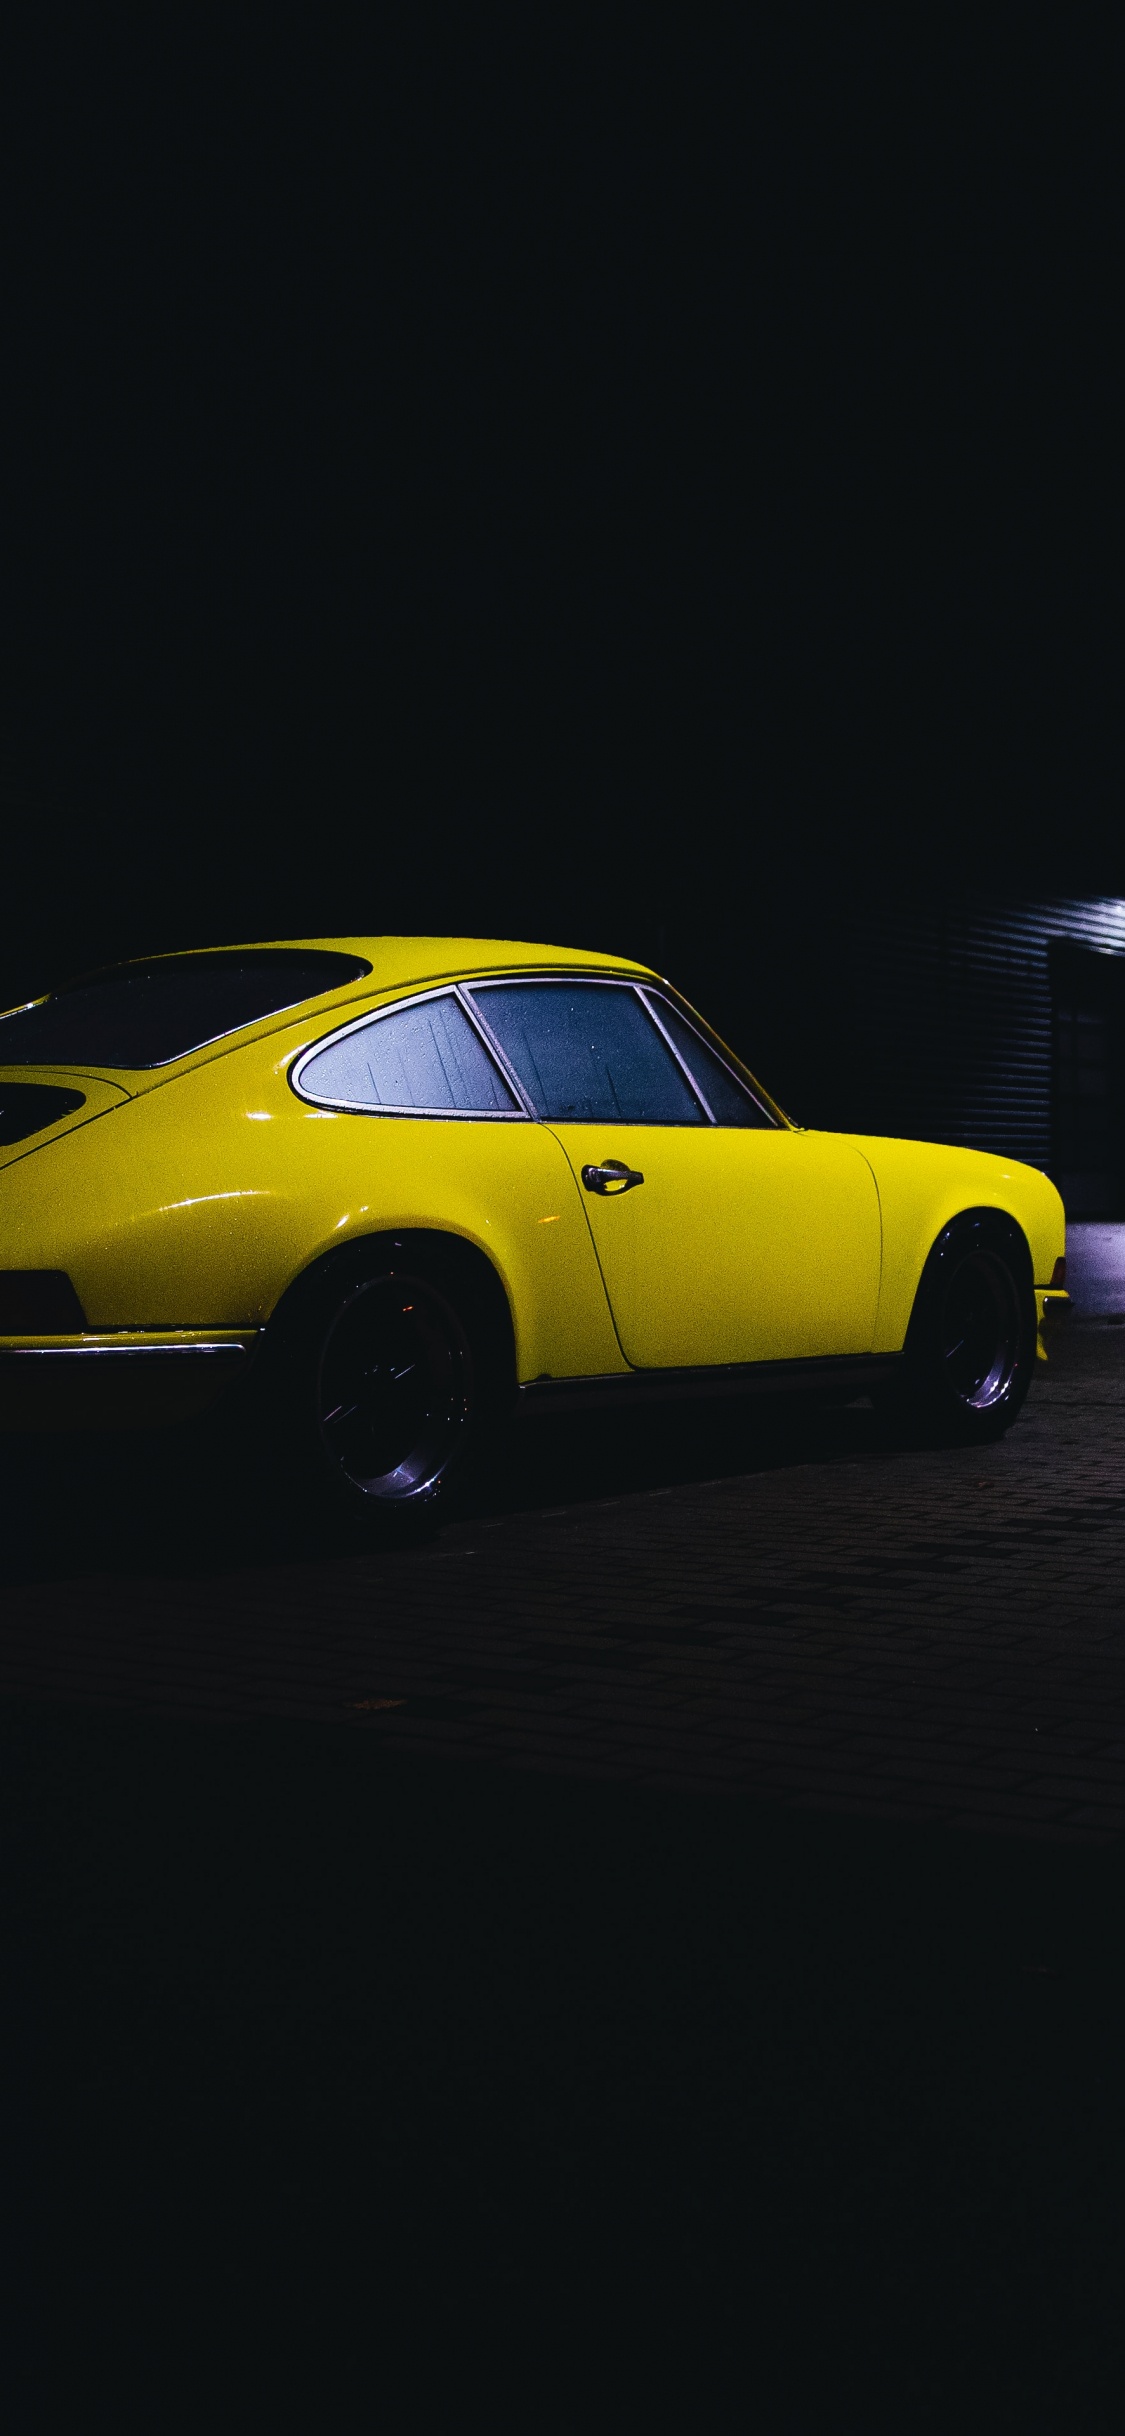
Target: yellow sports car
column 397, row 1182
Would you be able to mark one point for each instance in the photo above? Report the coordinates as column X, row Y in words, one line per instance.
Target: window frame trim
column 647, row 992
column 520, row 1114
column 650, row 994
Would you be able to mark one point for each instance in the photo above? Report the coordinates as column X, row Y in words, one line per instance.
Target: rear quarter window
column 420, row 1060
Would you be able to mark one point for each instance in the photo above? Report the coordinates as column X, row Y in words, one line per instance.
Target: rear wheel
column 970, row 1349
column 385, row 1372
column 394, row 1389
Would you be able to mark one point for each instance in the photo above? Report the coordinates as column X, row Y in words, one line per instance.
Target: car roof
column 399, row 960
column 397, row 963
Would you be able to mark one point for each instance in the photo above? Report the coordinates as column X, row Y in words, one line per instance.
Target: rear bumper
column 130, row 1379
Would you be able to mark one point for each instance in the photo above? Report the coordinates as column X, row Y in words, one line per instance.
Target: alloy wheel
column 394, row 1388
column 981, row 1331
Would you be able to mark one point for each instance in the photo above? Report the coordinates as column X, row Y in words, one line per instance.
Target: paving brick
column 907, row 1634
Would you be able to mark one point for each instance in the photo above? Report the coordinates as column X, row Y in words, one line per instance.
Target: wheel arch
column 923, row 1188
column 990, row 1219
column 438, row 1253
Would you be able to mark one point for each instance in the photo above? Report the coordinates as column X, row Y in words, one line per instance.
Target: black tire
column 383, row 1371
column 969, row 1356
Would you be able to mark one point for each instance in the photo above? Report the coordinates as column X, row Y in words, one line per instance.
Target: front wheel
column 970, row 1348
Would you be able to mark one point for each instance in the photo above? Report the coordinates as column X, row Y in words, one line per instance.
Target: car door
column 723, row 1234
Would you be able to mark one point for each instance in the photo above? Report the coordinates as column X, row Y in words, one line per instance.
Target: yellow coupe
column 396, row 1183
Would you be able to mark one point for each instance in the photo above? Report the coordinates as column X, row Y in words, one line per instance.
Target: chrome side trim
column 115, row 1353
column 808, row 1375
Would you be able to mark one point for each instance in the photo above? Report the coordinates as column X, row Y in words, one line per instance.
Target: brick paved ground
column 816, row 1620
column 651, row 1960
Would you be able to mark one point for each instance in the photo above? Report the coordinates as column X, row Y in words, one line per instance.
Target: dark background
column 641, row 486
column 656, row 487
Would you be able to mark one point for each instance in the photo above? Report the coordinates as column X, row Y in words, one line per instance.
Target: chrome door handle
column 611, row 1177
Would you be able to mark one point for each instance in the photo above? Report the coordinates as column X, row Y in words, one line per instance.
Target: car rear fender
column 218, row 1191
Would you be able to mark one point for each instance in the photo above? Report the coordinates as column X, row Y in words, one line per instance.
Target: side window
column 425, row 1057
column 728, row 1100
column 587, row 1052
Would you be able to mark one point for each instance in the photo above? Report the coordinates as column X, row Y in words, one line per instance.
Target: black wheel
column 384, row 1373
column 970, row 1348
column 394, row 1388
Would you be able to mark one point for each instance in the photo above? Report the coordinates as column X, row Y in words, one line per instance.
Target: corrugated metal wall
column 930, row 1017
column 960, row 1048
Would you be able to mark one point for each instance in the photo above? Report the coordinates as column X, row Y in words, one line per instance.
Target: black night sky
column 556, row 481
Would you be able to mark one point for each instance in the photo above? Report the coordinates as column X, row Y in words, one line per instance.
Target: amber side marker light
column 1058, row 1273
